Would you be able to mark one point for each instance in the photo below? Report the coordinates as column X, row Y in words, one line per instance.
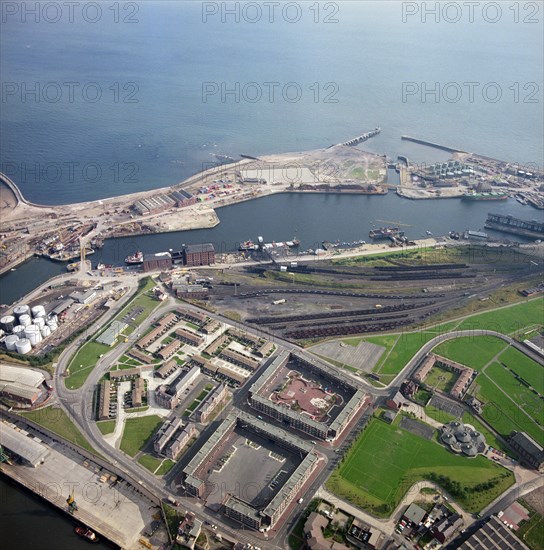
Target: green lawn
column 165, row 467
column 525, row 367
column 441, row 379
column 106, row 426
column 56, row 420
column 472, row 351
column 507, row 320
column 138, row 432
column 150, row 462
column 501, row 413
column 83, row 363
column 386, row 460
column 143, row 300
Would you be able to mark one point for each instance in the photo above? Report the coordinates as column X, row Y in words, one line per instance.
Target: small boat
column 87, row 534
column 135, row 259
column 429, row 233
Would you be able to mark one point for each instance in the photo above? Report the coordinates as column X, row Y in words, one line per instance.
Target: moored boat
column 87, row 534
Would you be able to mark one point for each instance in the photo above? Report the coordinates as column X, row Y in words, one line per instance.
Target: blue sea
column 119, row 106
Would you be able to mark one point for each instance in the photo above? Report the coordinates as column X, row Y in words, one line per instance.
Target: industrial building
column 264, row 518
column 168, row 395
column 110, row 335
column 17, row 443
column 199, row 254
column 22, row 385
column 302, row 422
column 84, row 297
column 160, row 261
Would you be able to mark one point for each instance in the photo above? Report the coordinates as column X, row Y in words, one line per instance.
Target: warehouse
column 161, row 261
column 21, row 384
column 110, row 335
column 18, row 444
column 199, row 254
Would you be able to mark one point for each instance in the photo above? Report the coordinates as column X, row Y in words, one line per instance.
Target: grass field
column 507, row 320
column 503, row 414
column 106, row 426
column 472, row 351
column 525, row 367
column 400, row 348
column 83, row 363
column 138, row 432
column 441, row 379
column 387, row 460
column 56, row 420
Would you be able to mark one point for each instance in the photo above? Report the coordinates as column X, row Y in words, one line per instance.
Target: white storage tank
column 52, row 317
column 19, row 331
column 7, row 323
column 24, row 320
column 52, row 325
column 11, row 342
column 38, row 311
column 33, row 333
column 23, row 346
column 46, row 332
column 39, row 322
column 21, row 310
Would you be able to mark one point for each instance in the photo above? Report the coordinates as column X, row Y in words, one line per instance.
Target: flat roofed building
column 157, row 262
column 264, row 349
column 414, row 514
column 84, row 297
column 27, row 449
column 199, row 254
column 21, row 384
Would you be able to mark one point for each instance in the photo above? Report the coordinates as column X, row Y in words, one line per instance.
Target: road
column 78, row 404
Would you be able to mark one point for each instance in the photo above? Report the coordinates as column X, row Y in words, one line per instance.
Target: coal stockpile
column 413, row 275
column 432, row 267
column 344, row 330
column 333, row 314
column 263, row 292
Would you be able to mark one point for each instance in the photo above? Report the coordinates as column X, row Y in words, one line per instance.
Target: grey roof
column 22, row 445
column 529, row 445
column 493, row 535
column 198, row 248
column 109, row 336
column 157, row 256
column 414, row 513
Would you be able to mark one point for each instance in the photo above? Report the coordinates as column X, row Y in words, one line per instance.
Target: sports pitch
column 387, row 460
